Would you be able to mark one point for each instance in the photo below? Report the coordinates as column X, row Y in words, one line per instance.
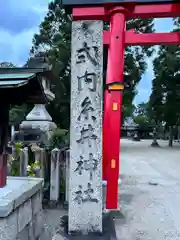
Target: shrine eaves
column 73, row 3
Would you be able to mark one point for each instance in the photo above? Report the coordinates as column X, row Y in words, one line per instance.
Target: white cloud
column 16, row 48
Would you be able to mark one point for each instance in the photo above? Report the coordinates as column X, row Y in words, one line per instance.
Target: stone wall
column 22, row 218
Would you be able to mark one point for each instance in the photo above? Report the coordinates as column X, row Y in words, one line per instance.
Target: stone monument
column 85, row 183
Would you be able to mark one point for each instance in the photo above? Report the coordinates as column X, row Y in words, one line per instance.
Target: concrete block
column 31, row 231
column 24, row 234
column 37, row 202
column 24, row 215
column 6, row 207
column 9, row 227
column 18, row 201
column 38, row 224
column 16, row 192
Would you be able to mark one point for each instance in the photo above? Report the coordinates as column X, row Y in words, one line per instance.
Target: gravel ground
column 149, row 196
column 52, row 218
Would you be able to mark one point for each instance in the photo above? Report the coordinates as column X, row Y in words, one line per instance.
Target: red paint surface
column 135, row 11
column 112, row 119
column 146, row 39
column 89, row 13
column 104, row 139
column 106, row 118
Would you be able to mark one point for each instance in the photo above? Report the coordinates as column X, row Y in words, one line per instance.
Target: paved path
column 150, row 192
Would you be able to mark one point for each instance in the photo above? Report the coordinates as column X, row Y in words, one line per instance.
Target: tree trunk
column 170, row 136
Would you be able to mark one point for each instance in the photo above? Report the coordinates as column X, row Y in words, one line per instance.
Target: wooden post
column 4, row 119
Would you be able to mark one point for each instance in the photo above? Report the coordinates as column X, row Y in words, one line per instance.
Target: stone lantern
column 39, row 118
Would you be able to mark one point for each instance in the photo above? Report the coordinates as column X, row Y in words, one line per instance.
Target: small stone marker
column 55, row 175
column 85, row 183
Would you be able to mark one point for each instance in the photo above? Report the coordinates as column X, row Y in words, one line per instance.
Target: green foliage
column 18, row 113
column 165, row 97
column 54, row 38
column 142, row 117
column 142, row 108
column 127, row 110
column 59, row 138
column 32, row 168
column 7, row 65
column 14, row 162
column 18, row 146
column 142, row 121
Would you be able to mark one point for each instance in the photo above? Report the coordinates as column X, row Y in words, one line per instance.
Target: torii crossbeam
column 117, row 12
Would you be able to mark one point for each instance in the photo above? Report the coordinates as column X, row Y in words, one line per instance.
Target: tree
column 142, row 121
column 142, row 108
column 17, row 114
column 6, row 65
column 141, row 116
column 54, row 39
column 165, row 98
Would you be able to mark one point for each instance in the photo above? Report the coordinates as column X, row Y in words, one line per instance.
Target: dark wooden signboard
column 72, row 3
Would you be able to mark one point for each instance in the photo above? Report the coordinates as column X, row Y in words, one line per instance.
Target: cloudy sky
column 19, row 20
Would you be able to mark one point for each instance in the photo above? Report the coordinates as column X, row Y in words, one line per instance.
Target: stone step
column 109, row 232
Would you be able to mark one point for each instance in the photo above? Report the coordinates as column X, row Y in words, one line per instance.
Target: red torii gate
column 117, row 12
